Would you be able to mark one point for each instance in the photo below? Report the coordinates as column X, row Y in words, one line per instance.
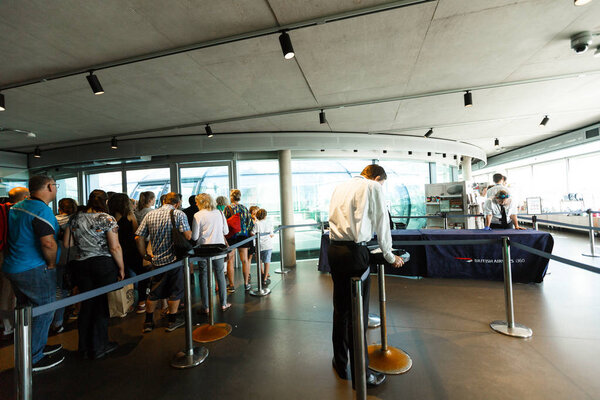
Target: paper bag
column 120, row 301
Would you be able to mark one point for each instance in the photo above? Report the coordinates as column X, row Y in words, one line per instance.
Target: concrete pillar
column 466, row 168
column 287, row 207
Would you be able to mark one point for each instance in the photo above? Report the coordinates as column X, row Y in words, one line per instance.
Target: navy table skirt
column 466, row 261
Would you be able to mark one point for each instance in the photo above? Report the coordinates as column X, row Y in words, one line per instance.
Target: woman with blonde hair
column 246, row 226
column 210, row 227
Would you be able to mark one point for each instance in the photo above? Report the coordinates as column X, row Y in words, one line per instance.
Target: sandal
column 226, row 307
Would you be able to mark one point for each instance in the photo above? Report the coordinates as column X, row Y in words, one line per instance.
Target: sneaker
column 148, row 327
column 52, row 348
column 248, row 287
column 141, row 308
column 226, row 307
column 266, row 282
column 57, row 329
column 48, row 362
column 178, row 323
column 230, row 289
column 74, row 316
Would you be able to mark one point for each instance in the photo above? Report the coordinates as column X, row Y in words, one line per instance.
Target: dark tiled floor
column 280, row 345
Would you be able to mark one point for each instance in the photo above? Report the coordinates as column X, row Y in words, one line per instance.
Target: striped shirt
column 156, row 226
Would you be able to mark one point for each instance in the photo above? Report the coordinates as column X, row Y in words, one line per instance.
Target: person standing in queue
column 500, row 212
column 357, row 210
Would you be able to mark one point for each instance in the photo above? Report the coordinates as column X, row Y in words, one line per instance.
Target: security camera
column 581, row 41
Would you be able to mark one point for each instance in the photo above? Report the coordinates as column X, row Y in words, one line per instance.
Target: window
column 7, row 184
column 67, row 187
column 107, row 181
column 550, row 183
column 443, row 173
column 259, row 183
column 156, row 180
column 581, row 180
column 211, row 180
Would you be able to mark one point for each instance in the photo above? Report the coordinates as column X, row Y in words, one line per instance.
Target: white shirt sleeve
column 380, row 220
column 487, row 207
column 195, row 228
column 225, row 227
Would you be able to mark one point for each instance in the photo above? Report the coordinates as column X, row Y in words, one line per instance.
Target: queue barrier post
column 535, row 222
column 374, row 321
column 591, row 233
column 23, row 362
column 509, row 327
column 360, row 365
column 384, row 358
column 445, row 217
column 191, row 356
column 260, row 291
column 211, row 332
column 282, row 269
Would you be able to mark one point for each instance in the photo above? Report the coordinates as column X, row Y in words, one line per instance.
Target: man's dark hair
column 192, row 200
column 39, row 182
column 497, row 178
column 97, row 201
column 373, row 171
column 119, row 203
column 172, row 198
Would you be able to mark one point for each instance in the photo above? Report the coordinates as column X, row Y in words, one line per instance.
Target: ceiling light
column 468, row 99
column 428, row 154
column 113, row 143
column 581, row 2
column 322, row 118
column 95, row 83
column 37, row 153
column 444, row 155
column 596, row 54
column 322, row 149
column 209, row 132
column 544, row 121
column 356, row 151
column 429, row 132
column 385, row 152
column 410, row 153
column 455, row 156
column 286, row 46
column 2, row 107
column 497, row 143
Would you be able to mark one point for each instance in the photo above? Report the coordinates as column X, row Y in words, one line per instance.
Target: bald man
column 7, row 297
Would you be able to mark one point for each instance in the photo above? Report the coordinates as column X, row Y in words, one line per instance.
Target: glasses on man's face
column 55, row 184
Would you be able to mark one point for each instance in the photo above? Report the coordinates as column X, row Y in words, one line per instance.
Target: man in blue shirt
column 31, row 262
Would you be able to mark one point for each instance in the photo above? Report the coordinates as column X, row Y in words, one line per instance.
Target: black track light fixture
column 356, row 151
column 429, row 132
column 37, row 152
column 410, row 153
column 113, row 143
column 497, row 143
column 322, row 118
column 2, row 106
column 444, row 155
column 428, row 154
column 209, row 132
column 544, row 121
column 581, row 2
column 468, row 99
column 455, row 157
column 95, row 83
column 385, row 152
column 286, row 46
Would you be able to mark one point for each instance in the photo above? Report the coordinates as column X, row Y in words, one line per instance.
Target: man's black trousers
column 347, row 261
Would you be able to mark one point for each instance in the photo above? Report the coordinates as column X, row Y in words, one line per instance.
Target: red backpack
column 4, row 224
column 234, row 223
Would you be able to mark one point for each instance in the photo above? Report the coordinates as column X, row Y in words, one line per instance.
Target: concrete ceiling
column 420, row 49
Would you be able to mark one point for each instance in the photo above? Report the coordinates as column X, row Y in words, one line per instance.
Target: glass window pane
column 155, row 180
column 211, row 180
column 67, row 187
column 6, row 185
column 581, row 182
column 259, row 183
column 443, row 172
column 550, row 183
column 107, row 181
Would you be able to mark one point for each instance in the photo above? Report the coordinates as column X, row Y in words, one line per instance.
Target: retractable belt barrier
column 557, row 258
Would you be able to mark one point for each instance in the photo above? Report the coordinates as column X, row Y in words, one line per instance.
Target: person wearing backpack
column 240, row 226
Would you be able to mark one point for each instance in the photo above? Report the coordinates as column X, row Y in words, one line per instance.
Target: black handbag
column 208, row 250
column 181, row 246
column 68, row 282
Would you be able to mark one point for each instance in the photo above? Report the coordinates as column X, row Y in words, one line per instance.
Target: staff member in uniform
column 500, row 212
column 357, row 209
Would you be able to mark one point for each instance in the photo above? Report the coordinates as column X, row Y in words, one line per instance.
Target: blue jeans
column 36, row 287
column 61, row 293
column 219, row 276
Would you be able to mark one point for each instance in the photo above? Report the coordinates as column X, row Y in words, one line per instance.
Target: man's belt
column 348, row 243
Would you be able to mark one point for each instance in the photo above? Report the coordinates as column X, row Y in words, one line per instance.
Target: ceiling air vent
column 591, row 133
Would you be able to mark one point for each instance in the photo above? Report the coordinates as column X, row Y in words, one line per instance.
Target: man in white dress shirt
column 500, row 212
column 500, row 184
column 356, row 211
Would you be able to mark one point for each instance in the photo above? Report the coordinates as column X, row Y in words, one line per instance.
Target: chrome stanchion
column 535, row 223
column 384, row 358
column 445, row 216
column 592, row 243
column 260, row 291
column 281, row 269
column 509, row 327
column 191, row 356
column 23, row 368
column 360, row 365
column 211, row 332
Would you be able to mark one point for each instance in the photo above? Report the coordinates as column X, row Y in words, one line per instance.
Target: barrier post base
column 260, row 293
column 374, row 321
column 281, row 271
column 520, row 331
column 183, row 360
column 210, row 333
column 392, row 361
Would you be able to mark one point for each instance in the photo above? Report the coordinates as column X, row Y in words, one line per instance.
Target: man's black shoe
column 374, row 378
column 47, row 362
column 342, row 372
column 110, row 347
column 51, row 349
